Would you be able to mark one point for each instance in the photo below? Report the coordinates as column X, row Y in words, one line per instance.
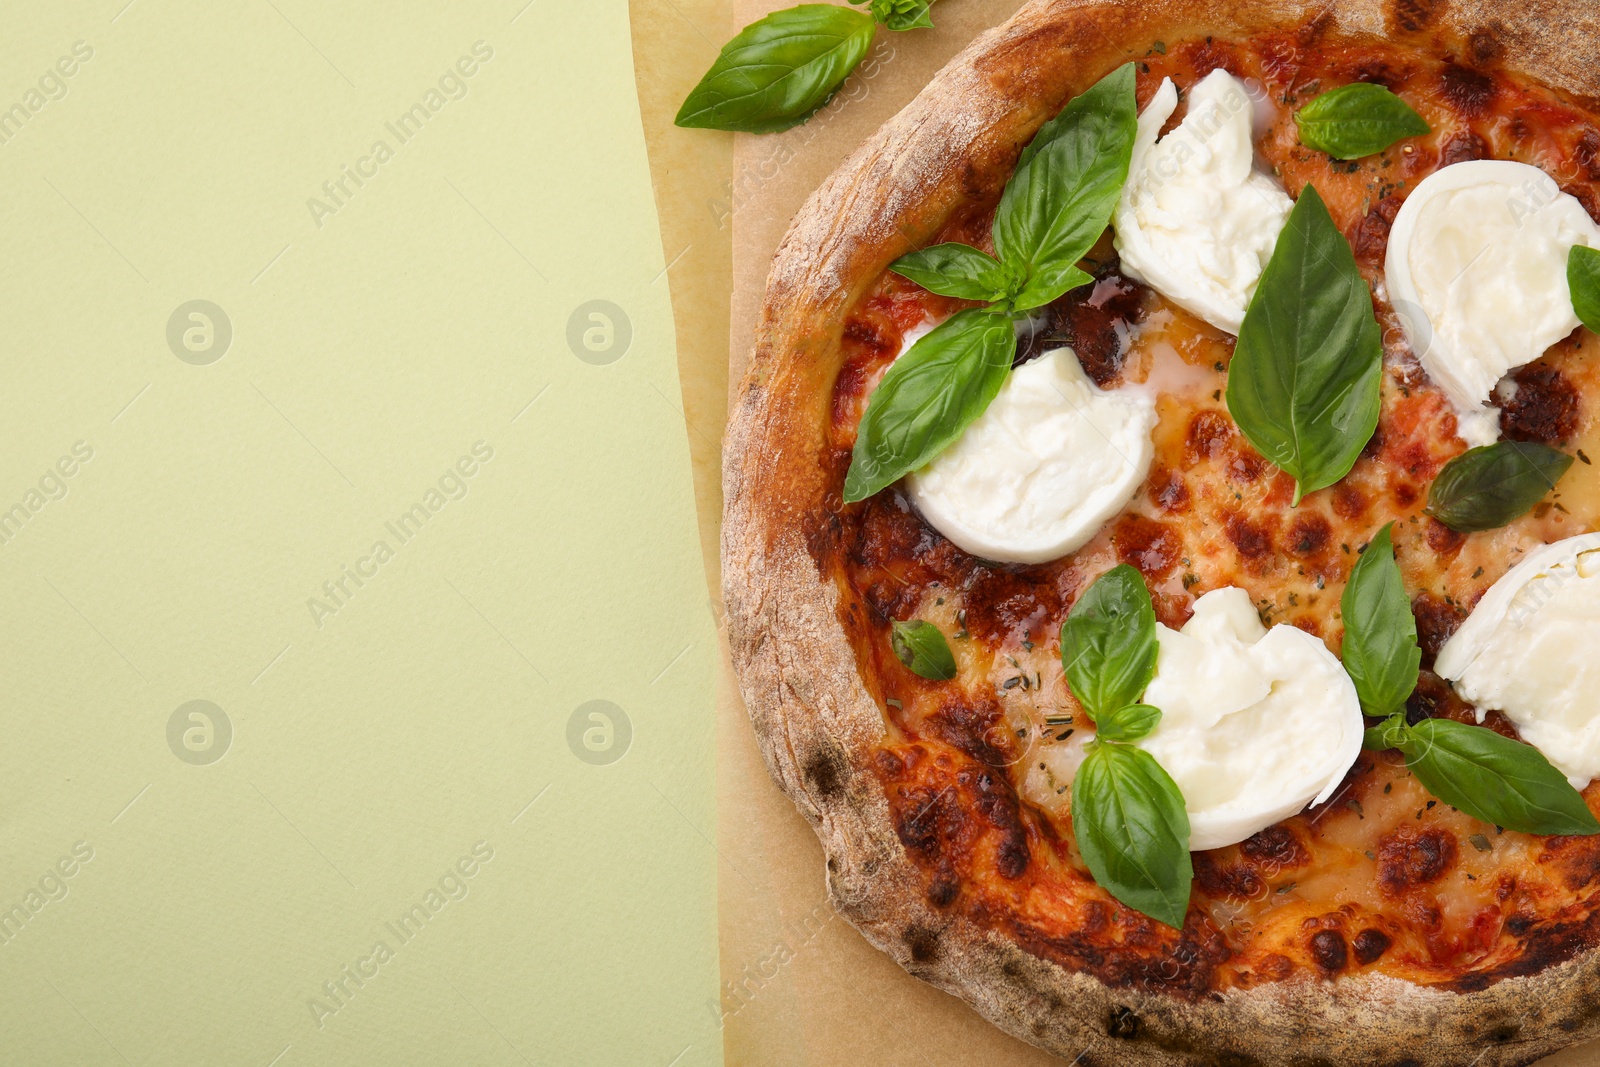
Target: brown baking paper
column 800, row 988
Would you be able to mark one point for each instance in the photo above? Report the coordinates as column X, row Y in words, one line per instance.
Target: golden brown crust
column 817, row 722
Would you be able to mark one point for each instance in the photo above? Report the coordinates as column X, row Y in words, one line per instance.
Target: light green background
column 368, row 354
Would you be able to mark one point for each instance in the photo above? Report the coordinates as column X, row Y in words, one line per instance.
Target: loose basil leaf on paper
column 1357, row 120
column 1583, row 279
column 1059, row 200
column 1381, row 654
column 902, row 14
column 1494, row 778
column 1303, row 385
column 1487, row 487
column 779, row 69
column 1108, row 642
column 928, row 396
column 922, row 648
column 1128, row 724
column 957, row 270
column 1131, row 827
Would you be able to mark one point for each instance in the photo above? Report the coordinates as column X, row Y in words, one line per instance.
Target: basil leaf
column 1487, row 487
column 929, row 395
column 1583, row 278
column 1129, row 723
column 922, row 648
column 1059, row 200
column 1108, row 643
column 1132, row 829
column 1357, row 120
column 1494, row 778
column 902, row 14
column 1380, row 633
column 1303, row 386
column 1386, row 735
column 779, row 69
column 956, row 270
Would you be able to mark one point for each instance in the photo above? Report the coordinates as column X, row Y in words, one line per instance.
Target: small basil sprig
column 1381, row 654
column 1056, row 205
column 1491, row 778
column 921, row 646
column 1357, row 120
column 780, row 69
column 1304, row 383
column 1128, row 814
column 1486, row 488
column 1583, row 279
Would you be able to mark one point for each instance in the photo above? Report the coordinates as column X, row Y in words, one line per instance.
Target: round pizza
column 1162, row 545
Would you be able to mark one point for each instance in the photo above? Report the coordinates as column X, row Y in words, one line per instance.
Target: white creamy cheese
column 1043, row 468
column 1477, row 270
column 1197, row 222
column 1255, row 723
column 1529, row 650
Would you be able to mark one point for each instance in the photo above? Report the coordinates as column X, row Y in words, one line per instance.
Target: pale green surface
column 368, row 355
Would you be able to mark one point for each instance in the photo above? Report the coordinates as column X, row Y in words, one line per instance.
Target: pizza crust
column 815, row 720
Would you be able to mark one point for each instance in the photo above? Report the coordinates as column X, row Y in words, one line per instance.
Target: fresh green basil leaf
column 1128, row 723
column 1131, row 827
column 1495, row 779
column 1486, row 488
column 1583, row 279
column 1108, row 642
column 902, row 14
column 1303, row 385
column 922, row 648
column 1060, row 198
column 956, row 270
column 1357, row 120
column 928, row 396
column 1380, row 633
column 779, row 69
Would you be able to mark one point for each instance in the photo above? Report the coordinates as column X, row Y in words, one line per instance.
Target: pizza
column 1251, row 443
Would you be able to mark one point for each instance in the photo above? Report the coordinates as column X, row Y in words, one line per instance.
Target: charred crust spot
column 1469, row 91
column 1005, row 604
column 1169, row 492
column 1250, row 539
column 1542, row 408
column 1369, row 945
column 1463, row 147
column 1369, row 238
column 827, row 772
column 1443, row 540
column 1210, row 432
column 1276, row 846
column 1122, row 1023
column 1093, row 321
column 1434, row 699
column 942, row 891
column 1246, row 465
column 1485, row 46
column 1410, row 857
column 1413, row 15
column 1309, row 536
column 867, row 334
column 923, row 943
column 1329, row 951
column 1348, row 501
column 1237, row 881
column 1152, row 547
column 1436, row 619
column 1586, row 153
